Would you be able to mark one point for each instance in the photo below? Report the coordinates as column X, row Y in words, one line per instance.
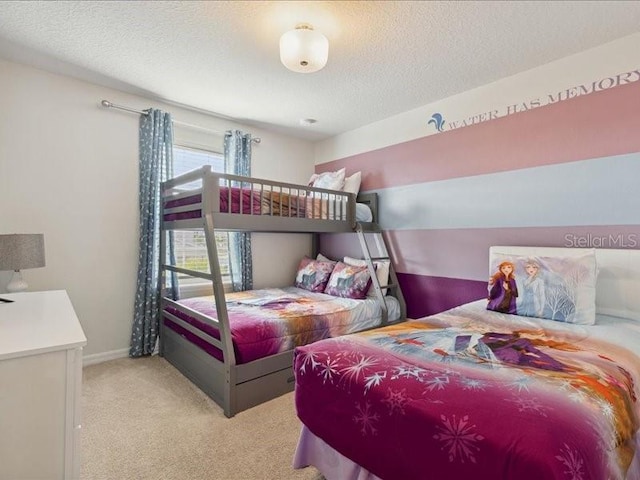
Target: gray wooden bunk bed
column 234, row 203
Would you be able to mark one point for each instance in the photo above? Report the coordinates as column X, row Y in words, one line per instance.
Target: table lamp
column 19, row 252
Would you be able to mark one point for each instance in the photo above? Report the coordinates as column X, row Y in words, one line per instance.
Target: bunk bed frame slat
column 186, row 271
column 196, row 331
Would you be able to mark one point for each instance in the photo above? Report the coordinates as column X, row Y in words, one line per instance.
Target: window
column 190, row 245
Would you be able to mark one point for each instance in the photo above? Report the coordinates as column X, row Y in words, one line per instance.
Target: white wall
column 609, row 65
column 69, row 169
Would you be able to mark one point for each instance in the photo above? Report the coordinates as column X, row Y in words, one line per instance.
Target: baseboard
column 104, row 356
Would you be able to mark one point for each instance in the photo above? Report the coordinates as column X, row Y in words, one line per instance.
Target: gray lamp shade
column 21, row 251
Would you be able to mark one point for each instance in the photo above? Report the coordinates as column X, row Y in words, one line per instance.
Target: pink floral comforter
column 268, row 321
column 245, row 201
column 474, row 394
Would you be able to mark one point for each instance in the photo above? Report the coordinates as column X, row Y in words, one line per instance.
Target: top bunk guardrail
column 238, row 203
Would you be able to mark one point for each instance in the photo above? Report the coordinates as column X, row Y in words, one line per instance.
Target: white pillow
column 352, row 183
column 329, row 180
column 322, row 258
column 382, row 272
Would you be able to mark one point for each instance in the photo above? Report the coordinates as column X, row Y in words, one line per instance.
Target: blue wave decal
column 437, row 121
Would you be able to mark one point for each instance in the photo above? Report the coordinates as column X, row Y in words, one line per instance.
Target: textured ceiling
column 385, row 57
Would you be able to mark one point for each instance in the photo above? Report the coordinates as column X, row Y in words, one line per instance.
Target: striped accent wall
column 562, row 175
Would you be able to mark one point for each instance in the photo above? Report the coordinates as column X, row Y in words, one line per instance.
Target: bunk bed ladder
column 394, row 286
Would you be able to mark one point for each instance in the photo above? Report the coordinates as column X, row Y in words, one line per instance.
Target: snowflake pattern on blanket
column 481, row 396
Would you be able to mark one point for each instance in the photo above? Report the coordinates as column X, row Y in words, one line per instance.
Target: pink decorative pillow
column 348, row 281
column 313, row 275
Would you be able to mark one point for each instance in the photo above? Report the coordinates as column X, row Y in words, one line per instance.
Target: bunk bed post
column 315, row 244
column 162, row 271
column 351, row 209
column 211, row 194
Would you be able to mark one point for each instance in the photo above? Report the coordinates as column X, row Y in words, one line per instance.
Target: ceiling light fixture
column 304, row 50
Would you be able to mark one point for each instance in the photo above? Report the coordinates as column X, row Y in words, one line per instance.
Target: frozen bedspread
column 475, row 394
column 271, row 320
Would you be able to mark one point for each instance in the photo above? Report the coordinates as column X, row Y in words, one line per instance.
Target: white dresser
column 41, row 344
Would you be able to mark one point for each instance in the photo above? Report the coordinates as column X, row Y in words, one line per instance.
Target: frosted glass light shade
column 304, row 50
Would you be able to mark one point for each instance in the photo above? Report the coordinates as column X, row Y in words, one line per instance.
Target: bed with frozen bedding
column 478, row 393
column 238, row 348
column 268, row 321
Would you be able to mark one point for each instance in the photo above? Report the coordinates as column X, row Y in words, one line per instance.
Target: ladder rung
column 390, row 285
column 373, row 259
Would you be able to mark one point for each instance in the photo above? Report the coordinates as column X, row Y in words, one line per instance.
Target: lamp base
column 17, row 284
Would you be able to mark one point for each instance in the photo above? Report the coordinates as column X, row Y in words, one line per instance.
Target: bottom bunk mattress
column 273, row 320
column 471, row 393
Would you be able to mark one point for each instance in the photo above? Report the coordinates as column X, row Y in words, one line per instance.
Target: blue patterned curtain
column 237, row 157
column 156, row 165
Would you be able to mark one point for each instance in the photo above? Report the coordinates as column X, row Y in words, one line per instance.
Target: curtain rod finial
column 106, row 103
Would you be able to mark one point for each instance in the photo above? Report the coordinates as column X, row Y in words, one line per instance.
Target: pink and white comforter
column 475, row 394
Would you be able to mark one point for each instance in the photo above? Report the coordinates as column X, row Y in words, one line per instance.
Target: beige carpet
column 143, row 420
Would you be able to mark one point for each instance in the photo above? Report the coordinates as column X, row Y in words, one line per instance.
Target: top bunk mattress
column 253, row 202
column 269, row 321
column 241, row 200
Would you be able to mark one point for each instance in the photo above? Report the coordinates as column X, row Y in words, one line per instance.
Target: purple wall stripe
column 601, row 124
column 464, row 253
column 428, row 295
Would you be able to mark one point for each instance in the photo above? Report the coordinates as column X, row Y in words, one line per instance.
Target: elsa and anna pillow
column 561, row 288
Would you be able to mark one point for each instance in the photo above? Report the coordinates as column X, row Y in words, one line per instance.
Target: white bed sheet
column 619, row 331
column 363, row 213
column 368, row 313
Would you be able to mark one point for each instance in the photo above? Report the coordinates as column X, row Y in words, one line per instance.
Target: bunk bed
column 475, row 393
column 201, row 336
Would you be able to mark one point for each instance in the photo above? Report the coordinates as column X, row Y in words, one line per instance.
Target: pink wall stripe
column 339, row 245
column 464, row 253
column 601, row 124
